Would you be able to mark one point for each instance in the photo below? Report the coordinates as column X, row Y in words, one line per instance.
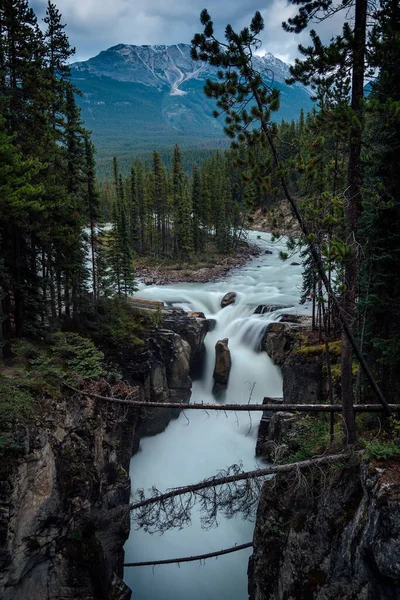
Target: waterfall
column 196, row 446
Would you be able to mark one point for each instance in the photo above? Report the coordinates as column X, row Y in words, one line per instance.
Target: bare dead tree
column 184, row 559
column 228, row 493
column 231, row 407
column 173, row 510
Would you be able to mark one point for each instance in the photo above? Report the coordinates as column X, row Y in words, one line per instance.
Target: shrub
column 16, row 408
column 382, row 450
column 310, row 436
column 78, row 354
column 114, row 323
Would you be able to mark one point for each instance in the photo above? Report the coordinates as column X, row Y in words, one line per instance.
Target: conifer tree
column 46, row 267
column 198, row 236
column 92, row 207
column 20, row 202
column 134, row 212
column 319, row 67
column 118, row 252
column 58, row 52
column 183, row 225
column 159, row 204
column 379, row 224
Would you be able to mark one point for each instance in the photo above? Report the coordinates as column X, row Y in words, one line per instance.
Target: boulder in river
column 229, row 298
column 277, row 341
column 223, row 362
column 268, row 308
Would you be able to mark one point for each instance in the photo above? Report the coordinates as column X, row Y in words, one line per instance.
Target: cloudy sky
column 95, row 25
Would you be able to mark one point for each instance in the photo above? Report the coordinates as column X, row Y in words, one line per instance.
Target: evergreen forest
column 330, row 181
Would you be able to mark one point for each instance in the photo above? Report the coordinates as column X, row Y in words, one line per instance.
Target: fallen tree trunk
column 169, row 561
column 216, row 481
column 236, row 407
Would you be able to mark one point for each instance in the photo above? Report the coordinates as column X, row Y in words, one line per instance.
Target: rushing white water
column 191, row 450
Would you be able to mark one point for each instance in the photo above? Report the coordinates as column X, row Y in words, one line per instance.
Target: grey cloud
column 94, row 25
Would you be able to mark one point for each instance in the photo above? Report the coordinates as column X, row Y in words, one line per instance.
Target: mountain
column 138, row 98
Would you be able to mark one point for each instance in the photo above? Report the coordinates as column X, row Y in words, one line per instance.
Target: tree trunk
column 215, row 481
column 186, row 559
column 93, row 252
column 5, row 321
column 17, row 283
column 352, row 205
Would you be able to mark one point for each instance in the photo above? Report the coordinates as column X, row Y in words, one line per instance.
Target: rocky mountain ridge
column 138, row 98
column 168, row 66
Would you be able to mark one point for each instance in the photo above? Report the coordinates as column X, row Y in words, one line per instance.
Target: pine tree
column 379, row 226
column 118, row 243
column 92, row 206
column 57, row 54
column 183, row 224
column 319, row 67
column 159, row 205
column 134, row 212
column 198, row 234
column 20, row 203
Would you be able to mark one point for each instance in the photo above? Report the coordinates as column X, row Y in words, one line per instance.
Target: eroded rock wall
column 330, row 534
column 63, row 505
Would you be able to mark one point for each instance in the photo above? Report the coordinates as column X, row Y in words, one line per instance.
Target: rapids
column 197, row 446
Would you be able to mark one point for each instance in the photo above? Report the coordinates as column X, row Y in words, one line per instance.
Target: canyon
column 64, row 505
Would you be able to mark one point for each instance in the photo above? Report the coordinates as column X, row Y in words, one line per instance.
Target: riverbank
column 203, row 270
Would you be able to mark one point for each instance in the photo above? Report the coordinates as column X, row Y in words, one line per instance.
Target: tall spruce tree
column 92, row 207
column 198, row 234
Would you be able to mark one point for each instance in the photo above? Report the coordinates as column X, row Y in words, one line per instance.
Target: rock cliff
column 162, row 366
column 63, row 505
column 330, row 534
column 63, row 502
column 326, row 533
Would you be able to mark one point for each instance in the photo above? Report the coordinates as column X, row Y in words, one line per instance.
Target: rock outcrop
column 63, row 505
column 162, row 366
column 335, row 534
column 223, row 364
column 277, row 342
column 303, row 379
column 229, row 298
column 192, row 327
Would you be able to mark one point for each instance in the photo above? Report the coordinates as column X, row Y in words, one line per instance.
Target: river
column 196, row 446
